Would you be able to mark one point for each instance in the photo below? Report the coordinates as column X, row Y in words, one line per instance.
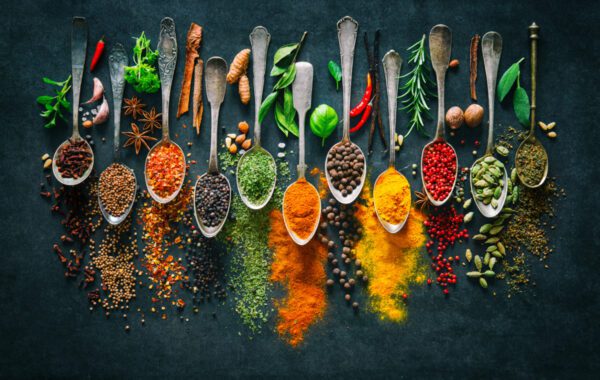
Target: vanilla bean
column 473, row 66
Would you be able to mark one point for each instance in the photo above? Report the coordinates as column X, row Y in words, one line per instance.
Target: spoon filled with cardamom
column 488, row 178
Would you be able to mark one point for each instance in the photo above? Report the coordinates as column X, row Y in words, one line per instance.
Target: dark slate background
column 550, row 331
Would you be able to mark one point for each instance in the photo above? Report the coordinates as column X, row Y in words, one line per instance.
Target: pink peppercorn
column 439, row 169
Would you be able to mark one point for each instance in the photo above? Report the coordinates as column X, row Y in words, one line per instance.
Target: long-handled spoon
column 215, row 74
column 117, row 60
column 491, row 49
column 391, row 67
column 347, row 28
column 78, row 49
column 302, row 93
column 531, row 139
column 440, row 46
column 259, row 40
column 167, row 58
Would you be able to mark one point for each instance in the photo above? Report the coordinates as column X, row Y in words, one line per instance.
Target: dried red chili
column 97, row 54
column 165, row 169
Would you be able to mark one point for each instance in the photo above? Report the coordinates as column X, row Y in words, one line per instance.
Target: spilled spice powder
column 392, row 261
column 301, row 271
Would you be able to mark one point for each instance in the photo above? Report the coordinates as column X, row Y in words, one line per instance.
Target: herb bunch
column 54, row 105
column 520, row 98
column 143, row 76
column 418, row 88
column 284, row 67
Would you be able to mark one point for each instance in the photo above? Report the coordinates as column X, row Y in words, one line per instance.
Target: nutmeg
column 454, row 117
column 473, row 115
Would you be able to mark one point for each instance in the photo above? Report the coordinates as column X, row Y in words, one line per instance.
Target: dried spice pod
column 473, row 66
column 194, row 38
column 239, row 66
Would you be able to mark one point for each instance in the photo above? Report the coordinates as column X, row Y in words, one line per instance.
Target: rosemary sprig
column 418, row 88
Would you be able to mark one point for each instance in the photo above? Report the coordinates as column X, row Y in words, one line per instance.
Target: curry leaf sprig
column 142, row 76
column 520, row 98
column 284, row 67
column 54, row 105
column 418, row 88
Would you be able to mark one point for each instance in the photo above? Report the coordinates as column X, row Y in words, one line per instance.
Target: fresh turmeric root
column 244, row 89
column 239, row 66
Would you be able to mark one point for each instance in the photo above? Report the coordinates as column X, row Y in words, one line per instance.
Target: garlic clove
column 98, row 91
column 102, row 114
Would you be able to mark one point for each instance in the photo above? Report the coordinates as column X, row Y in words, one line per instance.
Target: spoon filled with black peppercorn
column 212, row 192
column 345, row 164
column 73, row 160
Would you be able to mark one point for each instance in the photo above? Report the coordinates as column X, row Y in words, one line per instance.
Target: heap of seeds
column 74, row 159
column 531, row 163
column 345, row 166
column 212, row 199
column 117, row 188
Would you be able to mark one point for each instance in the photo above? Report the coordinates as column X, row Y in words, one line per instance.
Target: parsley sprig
column 143, row 76
column 54, row 105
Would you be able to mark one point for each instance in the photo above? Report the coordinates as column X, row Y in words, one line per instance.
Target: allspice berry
column 474, row 115
column 454, row 117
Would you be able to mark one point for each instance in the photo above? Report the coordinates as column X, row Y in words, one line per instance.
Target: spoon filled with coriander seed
column 488, row 178
column 531, row 159
column 212, row 192
column 117, row 185
column 301, row 201
column 256, row 173
column 73, row 160
column 345, row 163
column 391, row 191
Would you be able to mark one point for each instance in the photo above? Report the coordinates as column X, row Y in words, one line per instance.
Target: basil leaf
column 280, row 119
column 508, row 79
column 323, row 121
column 336, row 72
column 284, row 54
column 288, row 105
column 266, row 106
column 521, row 105
column 277, row 71
column 287, row 78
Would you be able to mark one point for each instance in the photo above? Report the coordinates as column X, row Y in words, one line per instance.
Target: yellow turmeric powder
column 301, row 270
column 392, row 261
column 301, row 208
column 392, row 196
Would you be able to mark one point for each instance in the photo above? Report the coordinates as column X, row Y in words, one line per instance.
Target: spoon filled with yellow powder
column 391, row 191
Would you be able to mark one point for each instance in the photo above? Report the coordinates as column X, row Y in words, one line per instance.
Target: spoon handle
column 534, row 36
column 302, row 94
column 117, row 60
column 491, row 49
column 347, row 29
column 79, row 38
column 167, row 58
column 216, row 85
column 259, row 40
column 440, row 47
column 392, row 62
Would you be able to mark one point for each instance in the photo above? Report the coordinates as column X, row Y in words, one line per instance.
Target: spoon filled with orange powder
column 301, row 201
column 391, row 192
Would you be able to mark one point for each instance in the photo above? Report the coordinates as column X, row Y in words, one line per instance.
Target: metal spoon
column 259, row 39
column 302, row 92
column 440, row 46
column 391, row 67
column 215, row 74
column 117, row 61
column 533, row 35
column 78, row 49
column 167, row 58
column 347, row 28
column 491, row 49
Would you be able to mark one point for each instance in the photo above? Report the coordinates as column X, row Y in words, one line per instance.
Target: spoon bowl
column 153, row 194
column 433, row 201
column 531, row 139
column 211, row 231
column 390, row 227
column 292, row 234
column 488, row 210
column 337, row 194
column 248, row 202
column 116, row 220
column 56, row 172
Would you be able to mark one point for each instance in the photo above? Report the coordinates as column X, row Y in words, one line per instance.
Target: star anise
column 137, row 138
column 422, row 201
column 133, row 107
column 151, row 120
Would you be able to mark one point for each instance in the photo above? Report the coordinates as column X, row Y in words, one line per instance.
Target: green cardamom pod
column 467, row 203
column 485, row 228
column 479, row 237
column 513, row 175
column 489, row 273
column 491, row 248
column 468, row 255
column 486, row 258
column 492, row 240
column 497, row 254
column 496, row 230
column 501, row 248
column 492, row 263
column 478, row 262
column 474, row 274
column 483, row 282
column 468, row 217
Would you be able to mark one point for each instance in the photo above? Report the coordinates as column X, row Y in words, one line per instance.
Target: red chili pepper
column 365, row 99
column 97, row 54
column 364, row 118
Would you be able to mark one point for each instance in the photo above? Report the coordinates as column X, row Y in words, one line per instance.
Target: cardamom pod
column 513, row 175
column 489, row 273
column 501, row 248
column 496, row 230
column 491, row 248
column 483, row 282
column 474, row 274
column 468, row 255
column 492, row 240
column 486, row 258
column 497, row 254
column 478, row 262
column 485, row 228
column 492, row 263
column 468, row 217
column 467, row 203
column 479, row 237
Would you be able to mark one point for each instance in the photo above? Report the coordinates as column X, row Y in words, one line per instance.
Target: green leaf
column 285, row 54
column 288, row 105
column 287, row 78
column 280, row 119
column 53, row 82
column 508, row 79
column 336, row 72
column 44, row 99
column 323, row 121
column 277, row 71
column 266, row 106
column 521, row 106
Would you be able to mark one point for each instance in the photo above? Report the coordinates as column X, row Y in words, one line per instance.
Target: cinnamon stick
column 194, row 37
column 198, row 104
column 473, row 66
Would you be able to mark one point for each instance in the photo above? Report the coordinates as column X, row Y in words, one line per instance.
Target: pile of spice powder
column 392, row 196
column 301, row 205
column 530, row 161
column 165, row 169
column 301, row 271
column 256, row 175
column 160, row 224
column 392, row 261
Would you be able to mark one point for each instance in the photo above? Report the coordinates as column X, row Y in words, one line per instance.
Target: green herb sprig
column 520, row 98
column 336, row 73
column 54, row 105
column 143, row 76
column 284, row 67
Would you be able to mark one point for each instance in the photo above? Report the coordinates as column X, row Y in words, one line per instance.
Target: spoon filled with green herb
column 489, row 181
column 531, row 159
column 256, row 173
